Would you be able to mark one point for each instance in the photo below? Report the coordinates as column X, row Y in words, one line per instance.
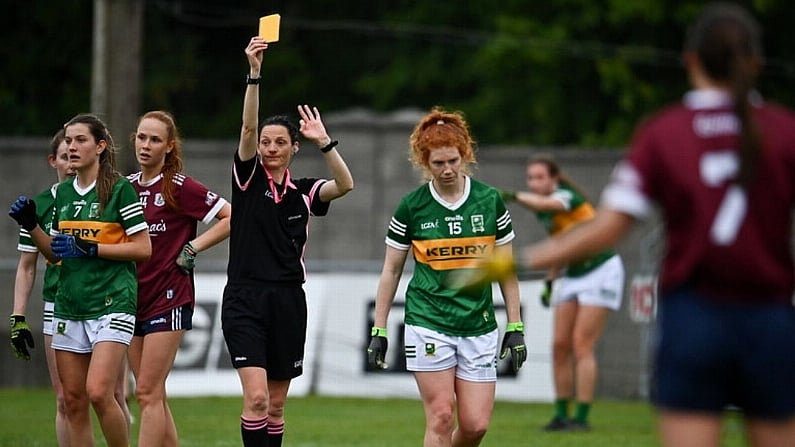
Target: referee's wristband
column 378, row 331
column 329, row 146
column 515, row 327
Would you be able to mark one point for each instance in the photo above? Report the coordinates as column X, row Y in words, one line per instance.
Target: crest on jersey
column 93, row 211
column 159, row 200
column 210, row 198
column 477, row 223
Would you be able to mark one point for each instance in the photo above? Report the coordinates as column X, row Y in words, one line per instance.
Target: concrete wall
column 351, row 238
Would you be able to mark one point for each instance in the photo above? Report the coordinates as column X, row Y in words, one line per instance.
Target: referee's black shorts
column 265, row 326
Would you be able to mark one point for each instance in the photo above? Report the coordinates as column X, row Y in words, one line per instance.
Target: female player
column 99, row 233
column 264, row 307
column 21, row 338
column 720, row 165
column 588, row 290
column 173, row 204
column 451, row 335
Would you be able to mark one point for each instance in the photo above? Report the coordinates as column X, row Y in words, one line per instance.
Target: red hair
column 440, row 129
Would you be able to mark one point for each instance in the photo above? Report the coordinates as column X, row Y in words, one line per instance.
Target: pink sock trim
column 254, row 424
column 276, row 429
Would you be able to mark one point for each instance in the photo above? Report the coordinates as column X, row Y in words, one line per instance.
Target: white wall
column 338, row 332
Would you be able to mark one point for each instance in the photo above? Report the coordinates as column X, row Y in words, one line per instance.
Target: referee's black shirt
column 268, row 239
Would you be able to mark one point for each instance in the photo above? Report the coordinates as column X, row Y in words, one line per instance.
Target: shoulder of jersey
column 179, row 178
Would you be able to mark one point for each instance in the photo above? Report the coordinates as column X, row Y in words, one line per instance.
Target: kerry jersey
column 728, row 242
column 161, row 284
column 91, row 287
column 445, row 237
column 44, row 205
column 578, row 210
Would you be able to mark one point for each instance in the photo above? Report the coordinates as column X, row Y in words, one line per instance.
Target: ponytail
column 726, row 40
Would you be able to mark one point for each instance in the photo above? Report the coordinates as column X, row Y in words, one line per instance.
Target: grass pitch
column 27, row 419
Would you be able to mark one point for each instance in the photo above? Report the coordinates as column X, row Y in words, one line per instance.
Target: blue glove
column 546, row 293
column 513, row 342
column 68, row 246
column 187, row 258
column 23, row 210
column 376, row 350
column 21, row 338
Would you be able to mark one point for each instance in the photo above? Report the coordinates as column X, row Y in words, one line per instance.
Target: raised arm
column 603, row 231
column 539, row 202
column 247, row 148
column 312, row 128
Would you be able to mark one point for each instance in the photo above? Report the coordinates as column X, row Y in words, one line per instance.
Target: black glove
column 187, row 258
column 546, row 293
column 376, row 350
column 21, row 338
column 68, row 246
column 23, row 210
column 507, row 196
column 513, row 342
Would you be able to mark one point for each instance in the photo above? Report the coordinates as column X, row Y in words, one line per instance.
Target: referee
column 264, row 306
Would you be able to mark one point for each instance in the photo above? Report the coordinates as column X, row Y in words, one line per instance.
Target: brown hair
column 726, row 39
column 441, row 129
column 173, row 162
column 107, row 176
column 56, row 141
column 554, row 170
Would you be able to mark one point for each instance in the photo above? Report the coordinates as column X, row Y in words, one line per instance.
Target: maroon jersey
column 726, row 241
column 161, row 284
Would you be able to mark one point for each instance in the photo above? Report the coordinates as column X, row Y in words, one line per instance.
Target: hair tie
column 440, row 122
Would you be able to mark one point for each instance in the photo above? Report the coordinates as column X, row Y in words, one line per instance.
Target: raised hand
column 312, row 127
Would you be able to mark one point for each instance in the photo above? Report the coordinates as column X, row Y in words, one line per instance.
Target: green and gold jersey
column 578, row 210
column 44, row 202
column 93, row 287
column 445, row 237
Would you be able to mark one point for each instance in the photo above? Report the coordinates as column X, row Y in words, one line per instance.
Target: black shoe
column 557, row 424
column 577, row 426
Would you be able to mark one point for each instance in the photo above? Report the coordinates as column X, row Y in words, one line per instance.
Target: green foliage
column 347, row 422
column 568, row 72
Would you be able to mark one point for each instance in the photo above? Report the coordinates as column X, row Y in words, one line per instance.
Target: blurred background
column 570, row 77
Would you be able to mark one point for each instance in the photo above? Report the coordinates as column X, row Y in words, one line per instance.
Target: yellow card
column 269, row 27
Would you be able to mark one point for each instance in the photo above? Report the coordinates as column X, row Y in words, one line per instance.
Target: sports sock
column 581, row 413
column 254, row 431
column 275, row 434
column 562, row 409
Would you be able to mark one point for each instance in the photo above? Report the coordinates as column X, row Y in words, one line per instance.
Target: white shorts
column 474, row 358
column 603, row 287
column 80, row 336
column 46, row 318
